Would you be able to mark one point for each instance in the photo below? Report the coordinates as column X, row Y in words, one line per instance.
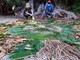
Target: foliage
column 3, row 36
column 73, row 4
column 21, row 52
column 3, row 30
column 40, row 32
column 12, row 2
column 76, row 7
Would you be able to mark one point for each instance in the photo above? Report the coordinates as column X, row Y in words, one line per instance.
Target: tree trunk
column 1, row 1
column 57, row 3
column 63, row 14
column 32, row 6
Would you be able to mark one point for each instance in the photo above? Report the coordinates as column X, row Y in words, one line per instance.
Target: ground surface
column 4, row 19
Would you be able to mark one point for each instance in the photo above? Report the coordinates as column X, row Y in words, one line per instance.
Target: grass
column 36, row 39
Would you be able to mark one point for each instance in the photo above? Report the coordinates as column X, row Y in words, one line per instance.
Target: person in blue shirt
column 49, row 8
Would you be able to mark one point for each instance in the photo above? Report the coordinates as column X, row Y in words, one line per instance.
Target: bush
column 12, row 2
column 76, row 7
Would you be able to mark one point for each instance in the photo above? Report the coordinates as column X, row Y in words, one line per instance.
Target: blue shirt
column 49, row 7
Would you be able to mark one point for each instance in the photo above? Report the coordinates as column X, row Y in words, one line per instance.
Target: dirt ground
column 4, row 19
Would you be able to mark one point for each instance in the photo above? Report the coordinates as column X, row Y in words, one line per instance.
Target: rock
column 28, row 47
column 51, row 29
column 29, row 59
column 57, row 28
column 42, row 26
column 6, row 57
column 63, row 14
column 28, row 28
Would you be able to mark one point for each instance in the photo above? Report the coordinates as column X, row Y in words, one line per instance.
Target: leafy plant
column 3, row 36
column 36, row 38
column 21, row 52
column 12, row 2
column 76, row 7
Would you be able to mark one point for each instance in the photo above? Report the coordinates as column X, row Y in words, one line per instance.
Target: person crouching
column 49, row 8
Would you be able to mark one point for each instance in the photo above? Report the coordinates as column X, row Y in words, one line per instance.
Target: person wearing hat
column 49, row 8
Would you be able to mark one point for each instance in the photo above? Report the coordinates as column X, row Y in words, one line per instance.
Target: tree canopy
column 72, row 4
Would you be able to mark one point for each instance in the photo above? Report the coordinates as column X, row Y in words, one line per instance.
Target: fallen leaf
column 77, row 27
column 2, row 52
column 77, row 35
column 20, row 40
